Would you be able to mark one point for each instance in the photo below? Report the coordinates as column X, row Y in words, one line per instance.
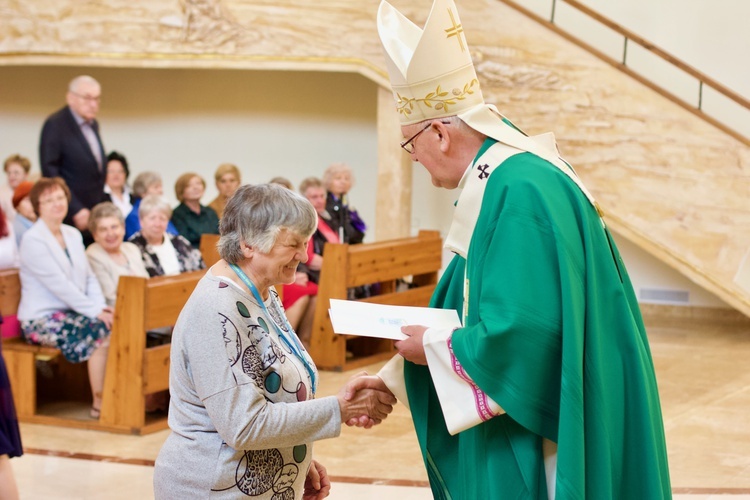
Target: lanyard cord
column 293, row 345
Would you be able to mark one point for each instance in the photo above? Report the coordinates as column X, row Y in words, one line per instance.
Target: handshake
column 365, row 401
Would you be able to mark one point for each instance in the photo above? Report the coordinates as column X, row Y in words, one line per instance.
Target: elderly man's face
column 84, row 99
column 427, row 151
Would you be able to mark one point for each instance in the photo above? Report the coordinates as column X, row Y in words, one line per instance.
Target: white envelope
column 385, row 322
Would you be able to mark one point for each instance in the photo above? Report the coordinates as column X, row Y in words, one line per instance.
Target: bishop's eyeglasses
column 408, row 144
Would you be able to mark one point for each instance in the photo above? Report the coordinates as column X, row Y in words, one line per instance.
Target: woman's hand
column 363, row 381
column 301, row 279
column 107, row 316
column 412, row 348
column 317, row 484
column 365, row 401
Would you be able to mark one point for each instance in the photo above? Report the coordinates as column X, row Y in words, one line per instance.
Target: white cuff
column 464, row 405
column 392, row 375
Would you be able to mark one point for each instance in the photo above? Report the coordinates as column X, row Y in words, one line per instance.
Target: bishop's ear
column 443, row 131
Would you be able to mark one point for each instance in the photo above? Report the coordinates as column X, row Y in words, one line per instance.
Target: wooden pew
column 134, row 370
column 347, row 266
column 208, row 249
column 20, row 357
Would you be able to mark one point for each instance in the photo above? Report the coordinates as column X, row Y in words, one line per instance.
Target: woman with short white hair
column 163, row 253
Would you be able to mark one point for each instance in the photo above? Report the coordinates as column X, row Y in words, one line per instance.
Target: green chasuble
column 554, row 335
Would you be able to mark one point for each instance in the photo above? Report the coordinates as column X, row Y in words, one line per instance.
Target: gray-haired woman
column 243, row 411
column 109, row 256
column 145, row 184
column 163, row 254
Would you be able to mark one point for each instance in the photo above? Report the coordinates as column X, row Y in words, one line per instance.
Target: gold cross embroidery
column 455, row 30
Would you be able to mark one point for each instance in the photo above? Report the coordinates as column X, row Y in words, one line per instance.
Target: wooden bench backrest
column 132, row 369
column 348, row 266
column 10, row 291
column 209, row 251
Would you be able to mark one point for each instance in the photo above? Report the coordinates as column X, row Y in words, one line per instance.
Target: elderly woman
column 338, row 179
column 190, row 217
column 61, row 301
column 145, row 184
column 228, row 179
column 109, row 256
column 243, row 412
column 163, row 253
column 116, row 183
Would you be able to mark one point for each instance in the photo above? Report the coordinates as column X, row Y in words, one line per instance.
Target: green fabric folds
column 554, row 335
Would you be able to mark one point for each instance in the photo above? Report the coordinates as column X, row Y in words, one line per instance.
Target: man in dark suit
column 70, row 147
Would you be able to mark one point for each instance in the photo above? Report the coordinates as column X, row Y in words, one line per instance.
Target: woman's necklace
column 294, row 346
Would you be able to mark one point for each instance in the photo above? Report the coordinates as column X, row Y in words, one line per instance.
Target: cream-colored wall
column 292, row 124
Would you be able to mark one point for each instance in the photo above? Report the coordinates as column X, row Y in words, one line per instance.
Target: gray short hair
column 101, row 211
column 152, row 203
column 143, row 181
column 256, row 214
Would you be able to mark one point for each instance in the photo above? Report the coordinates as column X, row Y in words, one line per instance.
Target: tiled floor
column 703, row 369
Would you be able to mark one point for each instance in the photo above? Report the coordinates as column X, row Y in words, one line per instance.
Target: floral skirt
column 76, row 335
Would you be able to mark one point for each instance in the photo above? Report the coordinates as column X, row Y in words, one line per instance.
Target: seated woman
column 312, row 189
column 61, row 301
column 163, row 253
column 145, row 183
column 16, row 169
column 228, row 179
column 116, row 183
column 190, row 217
column 338, row 179
column 243, row 413
column 109, row 256
column 25, row 216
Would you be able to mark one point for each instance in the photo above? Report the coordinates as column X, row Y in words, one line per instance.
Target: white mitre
column 432, row 76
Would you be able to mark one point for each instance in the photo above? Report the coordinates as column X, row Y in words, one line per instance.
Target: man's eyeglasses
column 408, row 144
column 94, row 98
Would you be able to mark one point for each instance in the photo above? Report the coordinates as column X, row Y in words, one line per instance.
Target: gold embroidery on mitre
column 439, row 99
column 455, row 30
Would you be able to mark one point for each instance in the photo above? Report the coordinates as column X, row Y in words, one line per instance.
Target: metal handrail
column 702, row 78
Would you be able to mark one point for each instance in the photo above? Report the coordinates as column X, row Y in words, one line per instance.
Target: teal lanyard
column 293, row 344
